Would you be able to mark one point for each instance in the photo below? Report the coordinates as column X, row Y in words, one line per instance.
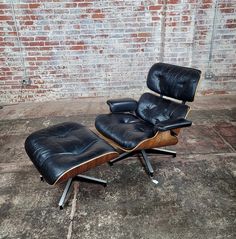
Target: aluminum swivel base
column 68, row 188
column 146, row 161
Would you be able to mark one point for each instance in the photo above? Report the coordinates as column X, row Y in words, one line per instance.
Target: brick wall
column 88, row 48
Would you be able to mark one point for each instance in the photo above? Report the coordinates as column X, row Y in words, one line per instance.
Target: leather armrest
column 172, row 124
column 122, row 105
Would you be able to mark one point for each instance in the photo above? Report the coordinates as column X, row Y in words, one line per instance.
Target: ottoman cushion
column 65, row 150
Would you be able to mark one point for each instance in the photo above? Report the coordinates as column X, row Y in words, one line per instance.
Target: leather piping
column 114, row 152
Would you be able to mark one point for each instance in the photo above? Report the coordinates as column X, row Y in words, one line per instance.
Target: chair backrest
column 173, row 81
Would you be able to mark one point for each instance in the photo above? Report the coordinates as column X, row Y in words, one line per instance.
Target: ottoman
column 63, row 151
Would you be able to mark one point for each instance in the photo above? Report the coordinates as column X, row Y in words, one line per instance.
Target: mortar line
column 209, row 65
column 163, row 31
column 19, row 43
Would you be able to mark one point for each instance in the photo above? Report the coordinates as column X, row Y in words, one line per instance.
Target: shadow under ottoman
column 63, row 151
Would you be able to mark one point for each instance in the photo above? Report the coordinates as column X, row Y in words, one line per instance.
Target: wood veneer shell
column 94, row 162
column 160, row 139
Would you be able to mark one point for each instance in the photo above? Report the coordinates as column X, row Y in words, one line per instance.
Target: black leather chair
column 62, row 152
column 155, row 120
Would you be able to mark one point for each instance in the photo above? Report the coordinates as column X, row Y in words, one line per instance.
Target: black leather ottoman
column 63, row 151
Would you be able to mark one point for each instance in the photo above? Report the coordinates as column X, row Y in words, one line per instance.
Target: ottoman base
column 81, row 178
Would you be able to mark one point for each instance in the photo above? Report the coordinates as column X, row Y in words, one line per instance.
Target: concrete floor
column 196, row 196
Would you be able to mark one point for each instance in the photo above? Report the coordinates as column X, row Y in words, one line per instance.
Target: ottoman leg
column 41, row 178
column 65, row 194
column 83, row 178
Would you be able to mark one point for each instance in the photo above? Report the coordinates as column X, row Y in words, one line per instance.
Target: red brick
column 5, row 6
column 43, row 58
column 207, row 1
column 185, row 18
column 173, row 1
column 140, row 39
column 227, row 10
column 5, row 18
column 90, row 10
column 71, row 5
column 77, row 26
column 21, row 5
column 28, row 23
column 24, row 18
column 42, row 38
column 26, row 38
column 98, row 16
column 144, row 34
column 31, row 58
column 77, row 48
column 84, row 4
column 34, row 5
column 46, row 48
column 37, row 43
column 5, row 43
column 5, row 69
column 51, row 43
column 231, row 25
column 141, row 8
column 155, row 18
column 82, row 16
column 206, row 6
column 155, row 8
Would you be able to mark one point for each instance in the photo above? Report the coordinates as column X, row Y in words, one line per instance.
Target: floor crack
column 73, row 209
column 224, row 140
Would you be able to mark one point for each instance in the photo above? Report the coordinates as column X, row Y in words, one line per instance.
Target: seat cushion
column 126, row 130
column 63, row 147
column 154, row 109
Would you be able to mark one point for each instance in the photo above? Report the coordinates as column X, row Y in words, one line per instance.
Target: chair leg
column 147, row 163
column 121, row 157
column 151, row 151
column 83, row 178
column 66, row 193
column 161, row 151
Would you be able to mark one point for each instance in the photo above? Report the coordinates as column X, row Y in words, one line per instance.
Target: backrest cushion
column 174, row 81
column 154, row 109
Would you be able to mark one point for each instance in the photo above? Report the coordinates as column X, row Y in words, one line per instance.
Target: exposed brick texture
column 88, row 48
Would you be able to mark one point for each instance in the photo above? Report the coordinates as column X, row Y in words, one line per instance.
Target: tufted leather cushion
column 60, row 148
column 174, row 81
column 126, row 130
column 155, row 109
